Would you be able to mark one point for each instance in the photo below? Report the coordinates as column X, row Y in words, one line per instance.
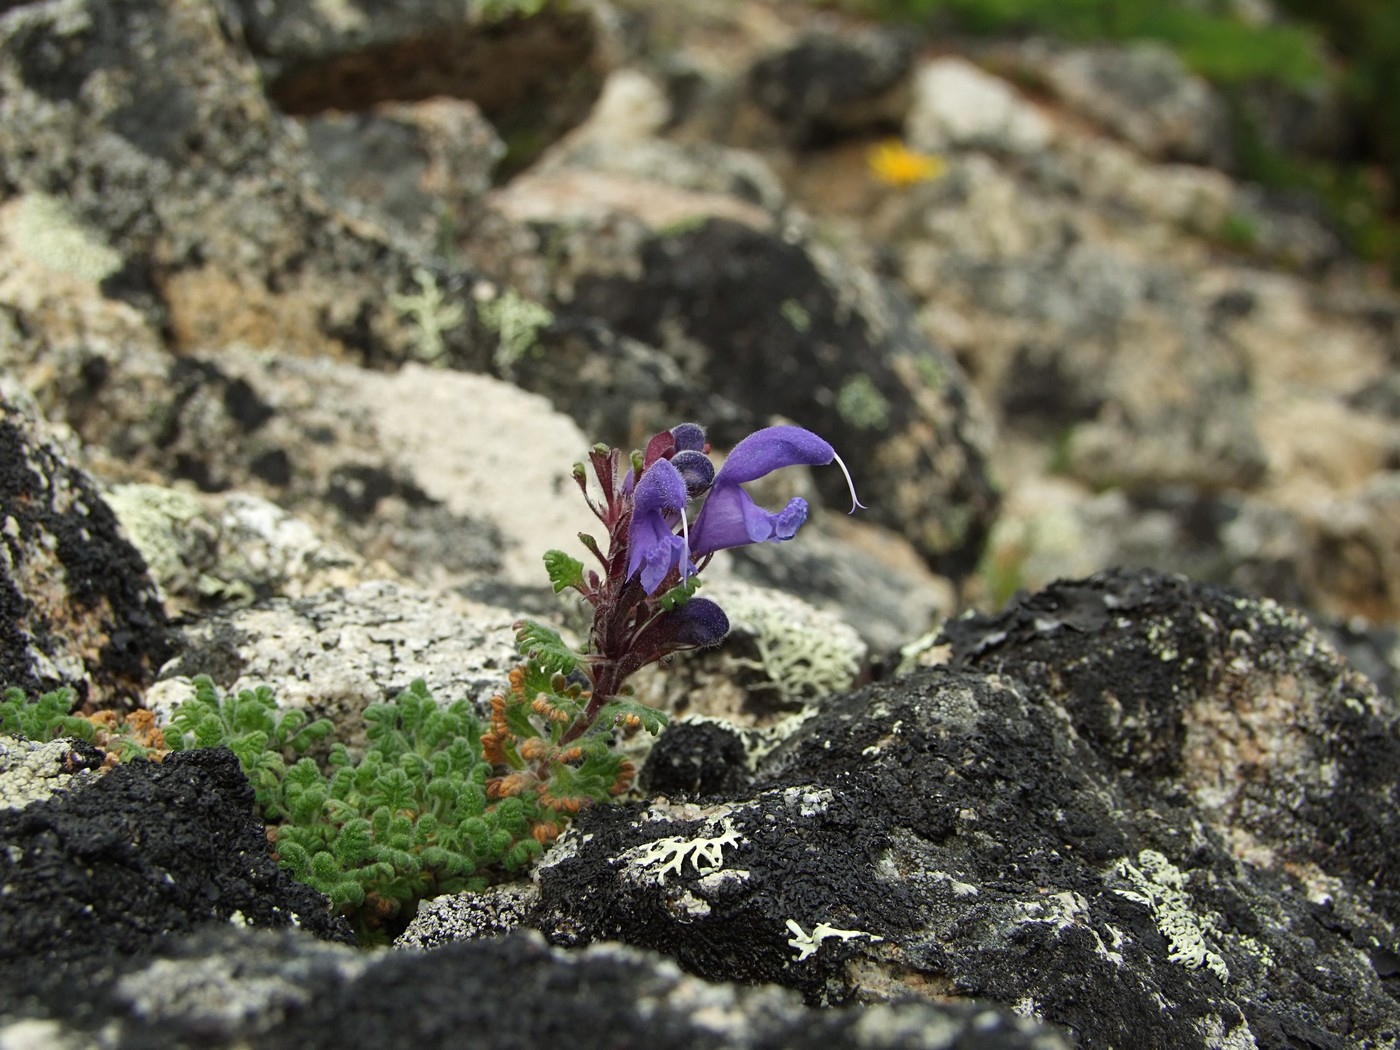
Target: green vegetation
column 439, row 802
column 43, row 718
column 1218, row 46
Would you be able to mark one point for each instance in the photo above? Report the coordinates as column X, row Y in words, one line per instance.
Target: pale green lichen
column 1160, row 886
column 431, row 313
column 31, row 771
column 169, row 529
column 798, row 656
column 860, row 403
column 46, row 231
column 517, row 322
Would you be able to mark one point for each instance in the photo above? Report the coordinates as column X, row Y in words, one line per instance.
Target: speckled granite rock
column 76, row 605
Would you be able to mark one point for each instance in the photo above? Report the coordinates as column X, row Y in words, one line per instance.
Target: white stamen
column 855, row 500
column 685, row 554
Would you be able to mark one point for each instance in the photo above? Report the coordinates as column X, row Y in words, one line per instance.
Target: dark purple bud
column 697, row 623
column 696, row 469
column 689, row 437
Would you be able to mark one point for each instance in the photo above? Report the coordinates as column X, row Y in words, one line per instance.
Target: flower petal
column 731, row 518
column 653, row 549
column 773, row 448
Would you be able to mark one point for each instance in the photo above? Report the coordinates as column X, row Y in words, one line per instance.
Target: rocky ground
column 306, row 310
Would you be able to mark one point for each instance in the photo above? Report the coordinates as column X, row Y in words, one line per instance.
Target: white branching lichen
column 806, row 944
column 1161, row 886
column 668, row 856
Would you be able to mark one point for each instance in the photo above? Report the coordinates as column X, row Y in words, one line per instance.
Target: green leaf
column 564, row 571
column 653, row 721
column 544, row 647
column 679, row 594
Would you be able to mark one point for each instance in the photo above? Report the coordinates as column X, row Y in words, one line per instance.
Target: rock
column 339, row 650
column 77, row 607
column 99, row 873
column 534, row 73
column 281, row 989
column 205, row 550
column 1145, row 95
column 956, row 105
column 190, row 176
column 839, row 81
column 1127, row 792
column 414, row 168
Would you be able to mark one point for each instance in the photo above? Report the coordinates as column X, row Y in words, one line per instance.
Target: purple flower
column 653, row 548
column 731, row 518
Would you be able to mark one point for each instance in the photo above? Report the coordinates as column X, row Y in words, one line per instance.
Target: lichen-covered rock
column 1152, row 813
column 1145, row 95
column 77, row 607
column 955, row 105
column 1289, row 755
column 31, row 771
column 234, row 986
column 834, row 80
column 339, row 650
column 414, row 168
column 205, row 550
column 152, row 119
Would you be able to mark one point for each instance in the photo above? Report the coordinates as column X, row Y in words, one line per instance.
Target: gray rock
column 1145, row 95
column 840, row 80
column 415, row 168
column 339, row 650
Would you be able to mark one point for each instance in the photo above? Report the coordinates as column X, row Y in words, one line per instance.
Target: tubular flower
column 653, row 548
column 731, row 518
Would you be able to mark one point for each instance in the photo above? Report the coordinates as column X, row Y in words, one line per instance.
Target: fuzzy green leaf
column 543, row 646
column 564, row 571
column 653, row 721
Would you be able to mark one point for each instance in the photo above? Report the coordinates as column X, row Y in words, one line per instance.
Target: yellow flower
column 895, row 163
